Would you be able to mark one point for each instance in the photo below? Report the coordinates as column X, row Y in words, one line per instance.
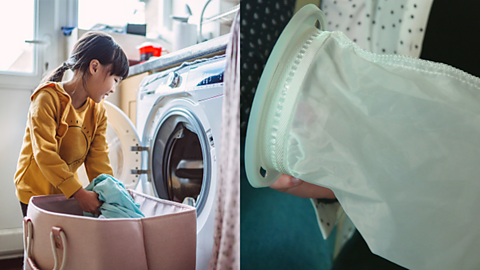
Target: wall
column 13, row 111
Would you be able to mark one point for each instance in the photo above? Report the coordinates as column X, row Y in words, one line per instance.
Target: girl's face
column 100, row 82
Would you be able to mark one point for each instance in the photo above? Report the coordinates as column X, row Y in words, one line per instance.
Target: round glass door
column 180, row 159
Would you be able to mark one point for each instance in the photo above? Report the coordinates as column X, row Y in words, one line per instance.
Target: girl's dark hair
column 94, row 45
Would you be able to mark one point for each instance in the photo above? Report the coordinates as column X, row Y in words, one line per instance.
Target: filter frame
column 260, row 172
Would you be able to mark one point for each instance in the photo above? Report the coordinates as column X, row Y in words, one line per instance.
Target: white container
column 184, row 35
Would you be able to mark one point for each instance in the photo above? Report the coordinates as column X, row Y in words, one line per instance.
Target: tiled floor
column 11, row 264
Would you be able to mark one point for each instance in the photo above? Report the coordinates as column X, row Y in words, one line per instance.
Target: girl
column 67, row 124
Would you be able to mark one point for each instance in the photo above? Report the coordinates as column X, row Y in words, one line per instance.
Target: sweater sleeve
column 97, row 161
column 43, row 123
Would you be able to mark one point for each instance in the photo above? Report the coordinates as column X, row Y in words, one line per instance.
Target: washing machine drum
column 178, row 165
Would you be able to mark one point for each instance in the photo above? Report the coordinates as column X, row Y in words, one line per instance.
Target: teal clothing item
column 117, row 202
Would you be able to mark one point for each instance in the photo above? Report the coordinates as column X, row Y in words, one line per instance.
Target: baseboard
column 11, row 243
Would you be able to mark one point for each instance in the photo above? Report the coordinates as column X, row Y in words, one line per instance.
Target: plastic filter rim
column 260, row 172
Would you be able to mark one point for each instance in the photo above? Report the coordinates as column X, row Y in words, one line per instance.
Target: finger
column 285, row 182
column 299, row 188
column 308, row 190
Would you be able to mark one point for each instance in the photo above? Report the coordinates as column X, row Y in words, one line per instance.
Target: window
column 111, row 13
column 17, row 25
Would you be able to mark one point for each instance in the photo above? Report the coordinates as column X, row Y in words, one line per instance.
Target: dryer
column 173, row 151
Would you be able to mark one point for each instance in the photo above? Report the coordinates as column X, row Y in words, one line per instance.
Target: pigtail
column 57, row 74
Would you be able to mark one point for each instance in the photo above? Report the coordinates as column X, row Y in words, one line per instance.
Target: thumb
column 285, row 182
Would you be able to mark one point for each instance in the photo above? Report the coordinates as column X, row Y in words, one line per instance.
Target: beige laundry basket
column 164, row 239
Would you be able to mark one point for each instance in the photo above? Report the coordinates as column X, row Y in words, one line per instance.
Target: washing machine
column 173, row 151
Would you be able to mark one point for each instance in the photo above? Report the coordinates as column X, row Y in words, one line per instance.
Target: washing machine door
column 122, row 138
column 182, row 160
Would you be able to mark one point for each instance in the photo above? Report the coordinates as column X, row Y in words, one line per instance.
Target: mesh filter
column 283, row 100
column 352, row 97
column 394, row 137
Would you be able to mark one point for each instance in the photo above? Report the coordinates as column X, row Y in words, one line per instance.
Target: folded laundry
column 117, row 202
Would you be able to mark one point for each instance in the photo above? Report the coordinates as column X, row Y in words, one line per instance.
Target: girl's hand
column 88, row 201
column 299, row 188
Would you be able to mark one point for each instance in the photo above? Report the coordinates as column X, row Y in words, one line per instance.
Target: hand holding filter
column 395, row 138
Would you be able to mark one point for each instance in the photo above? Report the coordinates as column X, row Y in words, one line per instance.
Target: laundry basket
column 58, row 236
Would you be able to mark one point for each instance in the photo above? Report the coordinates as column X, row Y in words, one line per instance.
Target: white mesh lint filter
column 396, row 138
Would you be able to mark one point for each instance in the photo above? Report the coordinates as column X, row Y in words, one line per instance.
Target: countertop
column 216, row 46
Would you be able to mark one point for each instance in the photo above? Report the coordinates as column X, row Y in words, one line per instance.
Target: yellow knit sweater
column 46, row 164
